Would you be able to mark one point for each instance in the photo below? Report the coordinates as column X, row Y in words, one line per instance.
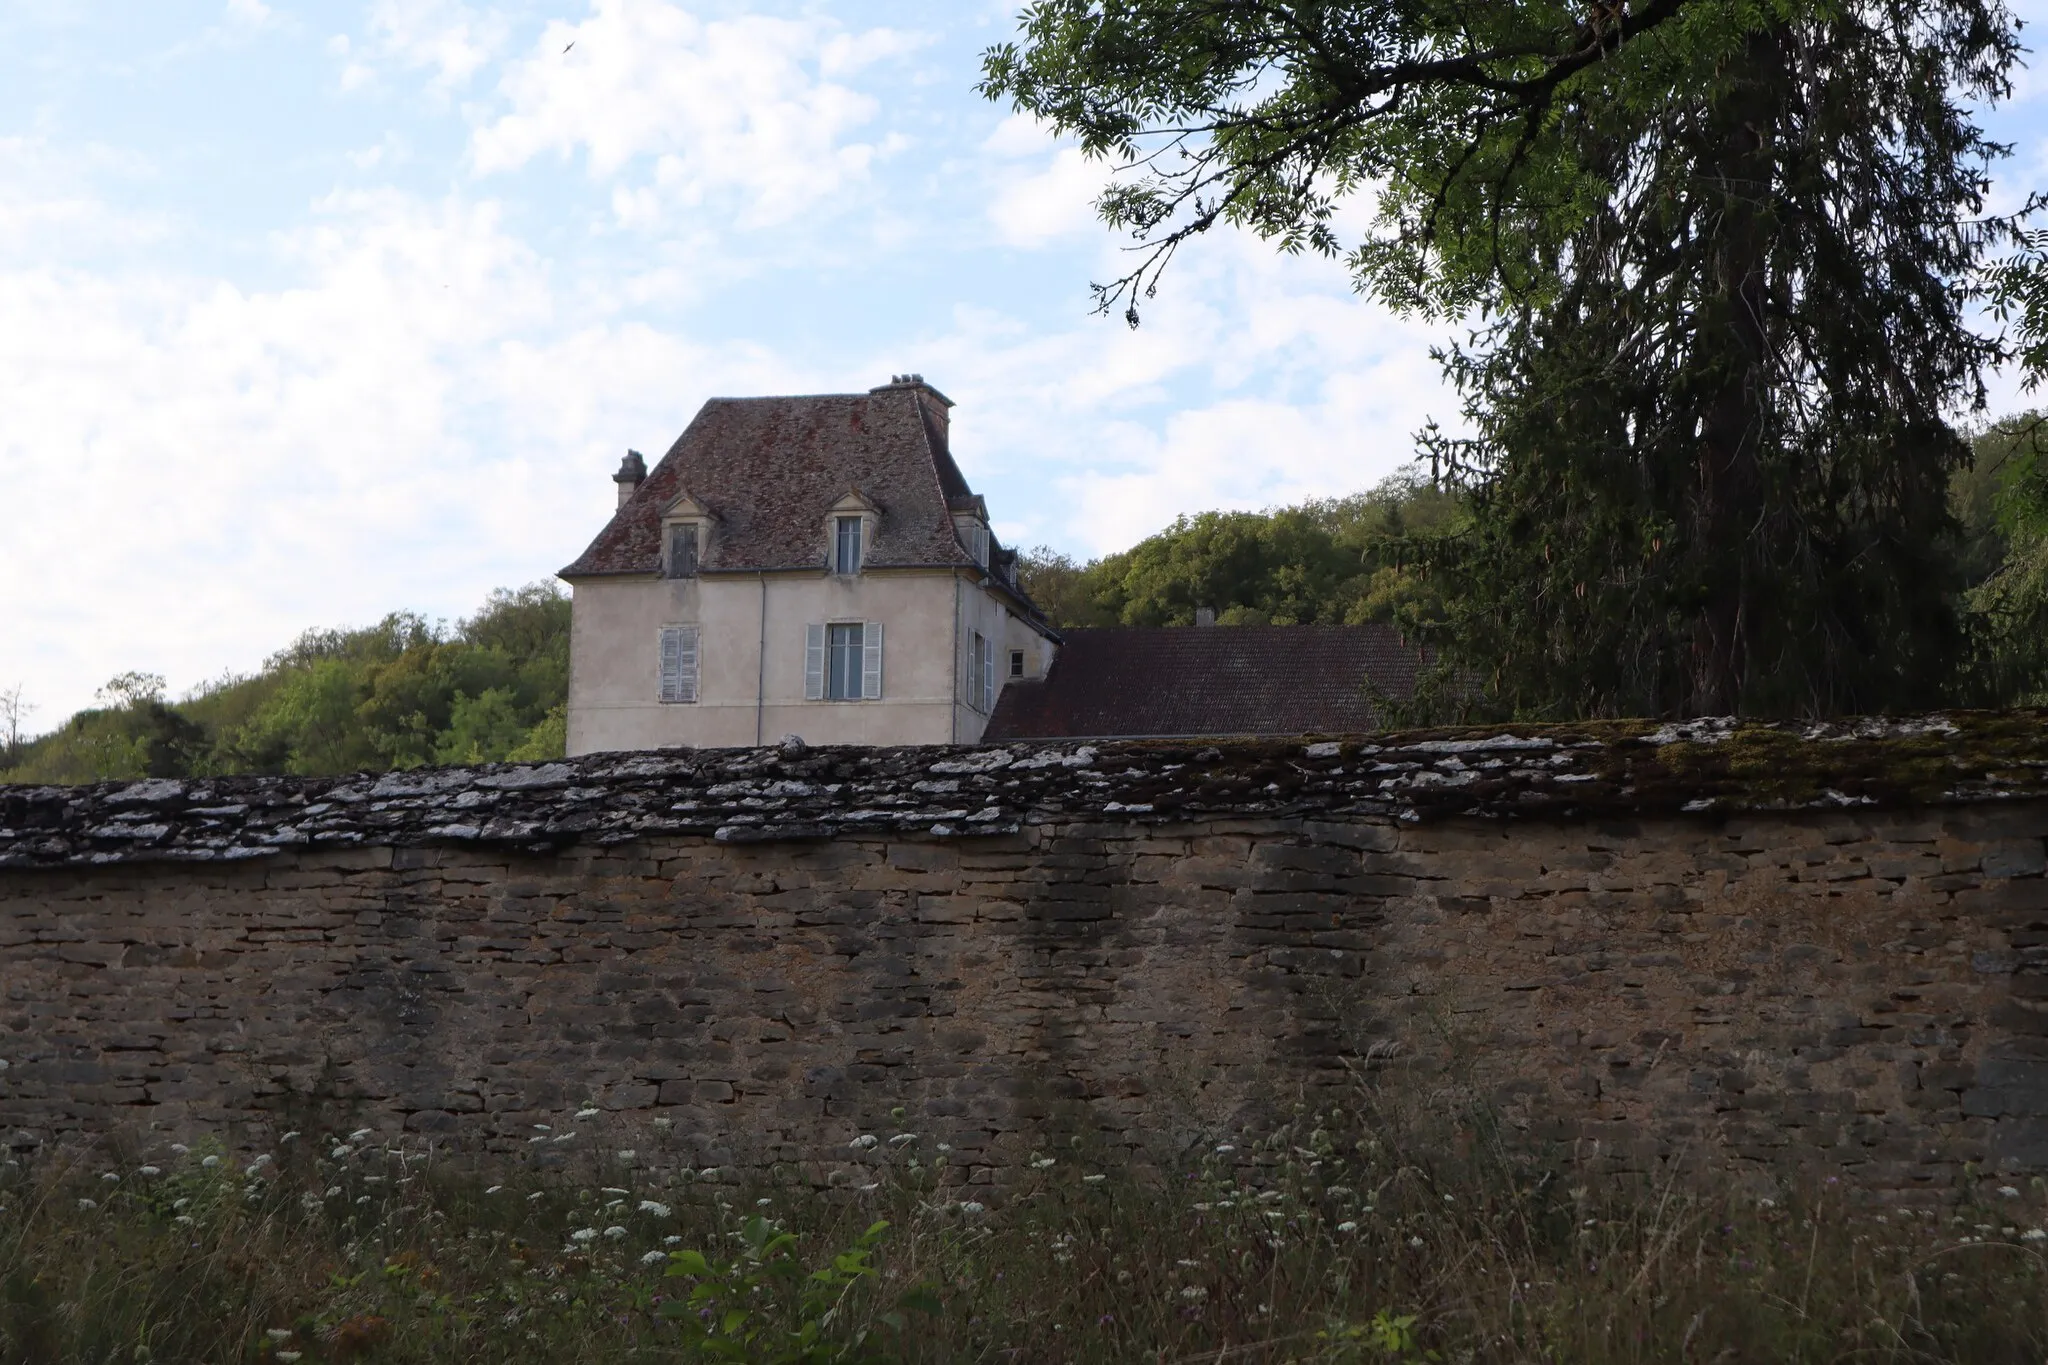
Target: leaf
column 922, row 1299
column 688, row 1263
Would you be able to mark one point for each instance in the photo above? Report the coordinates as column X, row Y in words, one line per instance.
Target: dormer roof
column 772, row 469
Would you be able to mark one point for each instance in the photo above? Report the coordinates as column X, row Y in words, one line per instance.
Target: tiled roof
column 1209, row 680
column 769, row 470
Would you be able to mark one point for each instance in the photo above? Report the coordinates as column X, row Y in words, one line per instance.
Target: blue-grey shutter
column 988, row 675
column 814, row 663
column 871, row 662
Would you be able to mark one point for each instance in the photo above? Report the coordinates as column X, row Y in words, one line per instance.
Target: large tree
column 1717, row 257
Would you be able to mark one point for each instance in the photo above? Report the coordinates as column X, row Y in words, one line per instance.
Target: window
column 682, row 551
column 846, row 546
column 843, row 661
column 1016, row 663
column 981, row 672
column 678, row 664
column 977, row 543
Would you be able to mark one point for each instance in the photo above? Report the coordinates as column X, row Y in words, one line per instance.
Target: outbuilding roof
column 768, row 471
column 1187, row 681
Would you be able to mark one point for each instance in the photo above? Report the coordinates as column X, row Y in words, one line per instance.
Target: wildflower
column 1188, row 1265
column 210, row 1162
column 1415, row 1242
column 1202, row 1208
column 628, row 1154
column 1044, row 1163
column 332, row 1191
column 88, row 1203
column 111, row 1178
column 183, row 1220
column 664, row 1123
column 973, row 1208
column 671, row 1241
column 1347, row 1226
column 180, row 1149
column 180, row 1204
column 902, row 1138
column 657, row 1209
column 709, row 1173
column 2034, row 1235
column 2008, row 1192
column 1194, row 1293
column 1095, row 1179
column 1767, row 1203
column 542, row 1128
column 614, row 1232
column 150, row 1170
column 583, row 1235
column 762, row 1203
column 535, row 1195
column 292, row 1136
column 1224, row 1149
column 289, row 1357
column 562, row 1137
column 494, row 1189
column 1268, row 1196
column 359, row 1134
column 612, row 1189
column 870, row 1187
column 341, row 1153
column 362, row 1199
column 586, row 1113
column 1338, row 1191
column 945, row 1147
column 1449, row 1200
column 865, row 1142
column 278, row 1333
column 653, row 1257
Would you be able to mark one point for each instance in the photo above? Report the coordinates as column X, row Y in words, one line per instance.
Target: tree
column 15, row 709
column 1719, row 255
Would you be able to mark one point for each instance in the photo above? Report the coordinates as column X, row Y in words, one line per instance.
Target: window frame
column 696, row 534
column 842, row 524
column 847, row 638
column 1016, row 663
column 689, row 670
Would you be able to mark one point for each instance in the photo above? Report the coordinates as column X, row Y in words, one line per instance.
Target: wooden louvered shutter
column 814, row 663
column 871, row 662
column 988, row 675
column 678, row 663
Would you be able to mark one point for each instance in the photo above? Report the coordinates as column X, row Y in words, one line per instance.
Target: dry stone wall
column 1780, row 951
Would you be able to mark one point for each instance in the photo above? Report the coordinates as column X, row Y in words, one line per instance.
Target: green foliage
column 1332, row 561
column 1707, row 466
column 399, row 694
column 2008, row 599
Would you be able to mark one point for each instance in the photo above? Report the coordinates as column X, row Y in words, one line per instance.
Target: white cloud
column 754, row 108
column 451, row 39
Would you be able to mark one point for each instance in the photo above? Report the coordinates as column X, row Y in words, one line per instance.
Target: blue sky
column 310, row 312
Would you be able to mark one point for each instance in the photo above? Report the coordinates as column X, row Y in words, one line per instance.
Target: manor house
column 818, row 566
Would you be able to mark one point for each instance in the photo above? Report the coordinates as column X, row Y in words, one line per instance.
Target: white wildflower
column 972, row 1207
column 183, row 1220
column 150, row 1170
column 562, row 1137
column 1044, row 1163
column 1347, row 1226
column 583, row 1235
column 341, row 1153
column 111, row 1178
column 1767, row 1203
column 615, row 1232
column 88, row 1203
column 210, row 1162
column 1095, row 1179
column 657, row 1209
column 1194, row 1293
column 535, row 1195
column 180, row 1204
column 762, row 1203
column 180, row 1149
column 333, row 1192
column 278, row 1333
column 1339, row 1191
column 289, row 1357
column 1203, row 1208
column 664, row 1122
column 612, row 1189
column 870, row 1187
column 1186, row 1264
column 1415, row 1242
column 865, row 1142
column 709, row 1173
column 587, row 1113
column 494, row 1189
column 902, row 1138
column 359, row 1134
column 362, row 1199
column 1224, row 1149
column 653, row 1257
column 2034, row 1235
column 671, row 1241
column 542, row 1128
column 945, row 1147
column 292, row 1136
column 628, row 1154
column 1268, row 1196
column 2009, row 1191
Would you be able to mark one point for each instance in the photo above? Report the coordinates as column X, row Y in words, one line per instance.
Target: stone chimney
column 632, row 473
column 1205, row 616
column 935, row 404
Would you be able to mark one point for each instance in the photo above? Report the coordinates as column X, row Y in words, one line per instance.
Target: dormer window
column 977, row 543
column 683, row 546
column 846, row 545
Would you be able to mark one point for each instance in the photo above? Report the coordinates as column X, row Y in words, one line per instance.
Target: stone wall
column 1851, row 986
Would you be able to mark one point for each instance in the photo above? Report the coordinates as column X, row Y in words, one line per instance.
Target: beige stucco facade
column 752, row 636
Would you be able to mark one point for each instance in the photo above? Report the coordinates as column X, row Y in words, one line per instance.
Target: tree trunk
column 1734, row 343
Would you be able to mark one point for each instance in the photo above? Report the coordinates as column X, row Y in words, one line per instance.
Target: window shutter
column 871, row 662
column 814, row 663
column 678, row 663
column 988, row 676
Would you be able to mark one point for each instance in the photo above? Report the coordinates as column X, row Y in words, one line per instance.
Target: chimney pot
column 1205, row 616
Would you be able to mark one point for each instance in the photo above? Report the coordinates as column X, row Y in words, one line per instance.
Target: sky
column 313, row 312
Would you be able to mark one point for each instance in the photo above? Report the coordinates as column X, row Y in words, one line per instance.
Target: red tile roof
column 1209, row 680
column 768, row 470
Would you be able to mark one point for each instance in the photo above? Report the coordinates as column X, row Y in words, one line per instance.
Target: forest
column 408, row 692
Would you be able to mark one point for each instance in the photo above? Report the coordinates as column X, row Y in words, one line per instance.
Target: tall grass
column 1326, row 1239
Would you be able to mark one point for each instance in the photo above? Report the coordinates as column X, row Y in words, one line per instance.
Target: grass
column 1329, row 1239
